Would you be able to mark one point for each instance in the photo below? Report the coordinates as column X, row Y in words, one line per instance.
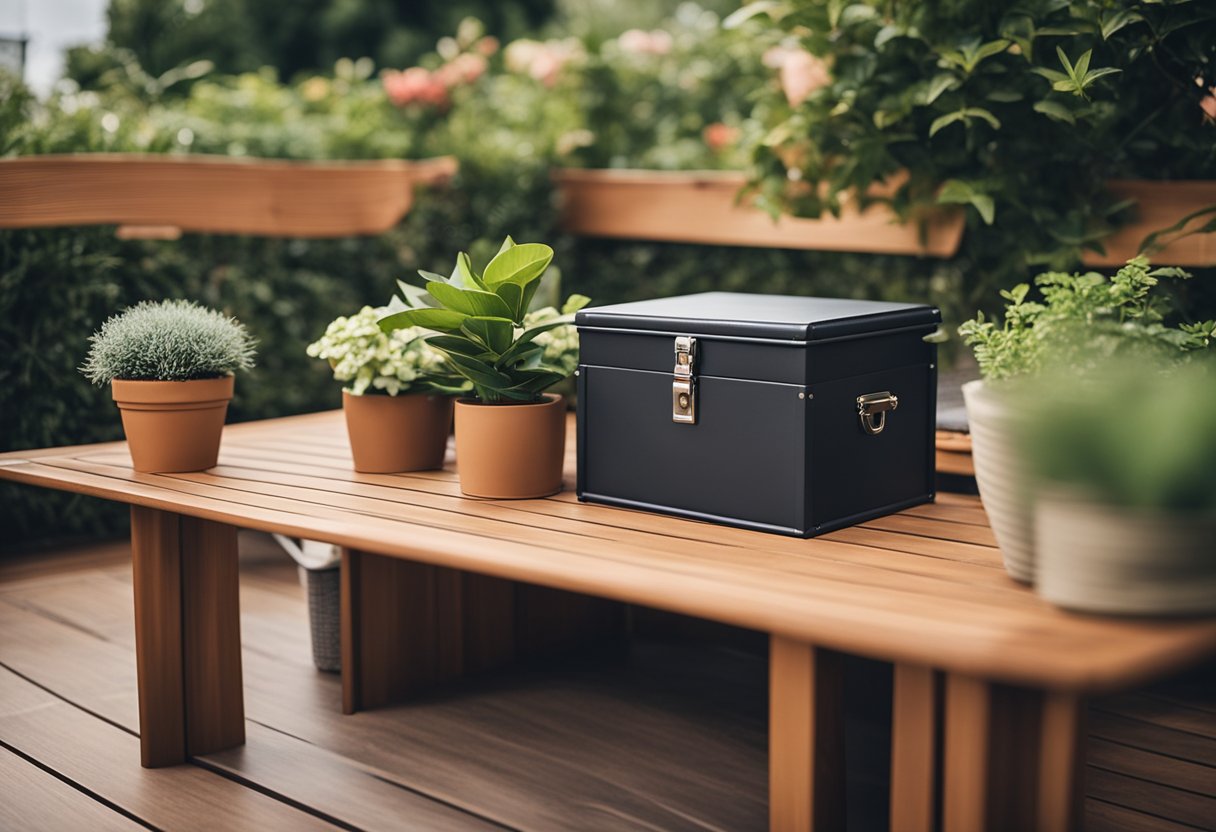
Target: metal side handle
column 872, row 410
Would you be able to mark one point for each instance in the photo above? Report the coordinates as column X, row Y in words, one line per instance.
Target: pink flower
column 802, row 73
column 465, row 68
column 542, row 61
column 1208, row 104
column 546, row 67
column 415, row 85
column 487, row 46
column 638, row 42
column 719, row 136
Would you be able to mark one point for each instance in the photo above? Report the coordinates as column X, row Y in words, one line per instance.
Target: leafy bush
column 482, row 321
column 1083, row 321
column 1138, row 437
column 1021, row 111
column 378, row 362
column 174, row 340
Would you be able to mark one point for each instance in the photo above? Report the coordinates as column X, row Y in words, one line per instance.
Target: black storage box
column 785, row 414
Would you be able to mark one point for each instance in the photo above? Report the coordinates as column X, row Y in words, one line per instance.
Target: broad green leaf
column 479, row 372
column 772, row 8
column 519, row 298
column 1054, row 110
column 458, row 344
column 1081, row 67
column 519, row 351
column 463, row 276
column 506, row 244
column 940, row 83
column 469, row 301
column 1053, row 75
column 958, row 192
column 980, row 112
column 1113, row 23
column 441, row 320
column 496, row 333
column 521, row 265
column 942, row 122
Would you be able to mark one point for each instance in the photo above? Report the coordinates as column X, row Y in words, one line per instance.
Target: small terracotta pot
column 173, row 426
column 391, row 434
column 511, row 451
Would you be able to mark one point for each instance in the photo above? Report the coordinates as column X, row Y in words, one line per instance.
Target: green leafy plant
column 1138, row 437
column 1083, row 319
column 481, row 321
column 173, row 340
column 374, row 361
column 1022, row 111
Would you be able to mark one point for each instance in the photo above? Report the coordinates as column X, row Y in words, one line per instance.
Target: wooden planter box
column 1160, row 205
column 701, row 207
column 161, row 196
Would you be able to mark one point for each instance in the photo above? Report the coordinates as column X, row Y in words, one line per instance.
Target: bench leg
column 187, row 636
column 1012, row 758
column 806, row 738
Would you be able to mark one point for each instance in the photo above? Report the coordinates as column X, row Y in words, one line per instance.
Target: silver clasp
column 684, row 382
column 873, row 405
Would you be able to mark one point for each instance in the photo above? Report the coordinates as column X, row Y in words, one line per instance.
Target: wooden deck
column 671, row 735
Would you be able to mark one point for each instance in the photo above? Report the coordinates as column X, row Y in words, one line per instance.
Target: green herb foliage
column 1083, row 320
column 174, row 340
column 481, row 321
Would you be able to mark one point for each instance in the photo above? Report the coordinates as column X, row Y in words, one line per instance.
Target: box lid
column 770, row 317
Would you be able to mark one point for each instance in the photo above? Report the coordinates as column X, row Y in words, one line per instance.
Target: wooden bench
column 990, row 682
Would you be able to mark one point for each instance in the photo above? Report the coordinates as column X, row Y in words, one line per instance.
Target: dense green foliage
column 1021, row 111
column 292, row 35
column 1082, row 322
column 480, row 318
column 1137, row 437
column 170, row 340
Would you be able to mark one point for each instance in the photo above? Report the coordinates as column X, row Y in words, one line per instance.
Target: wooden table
column 990, row 682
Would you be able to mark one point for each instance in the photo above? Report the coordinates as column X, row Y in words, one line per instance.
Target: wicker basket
column 323, row 617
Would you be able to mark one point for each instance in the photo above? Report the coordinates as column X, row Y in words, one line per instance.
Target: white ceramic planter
column 1108, row 559
column 1000, row 473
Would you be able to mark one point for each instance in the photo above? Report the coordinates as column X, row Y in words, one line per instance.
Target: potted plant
column 510, row 434
column 169, row 366
column 397, row 402
column 1080, row 320
column 1125, row 477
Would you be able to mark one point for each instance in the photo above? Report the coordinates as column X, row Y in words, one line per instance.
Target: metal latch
column 873, row 405
column 684, row 382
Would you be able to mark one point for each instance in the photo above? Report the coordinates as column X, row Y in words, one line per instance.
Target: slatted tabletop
column 924, row 586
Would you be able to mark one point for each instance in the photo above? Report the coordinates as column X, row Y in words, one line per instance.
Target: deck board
column 671, row 737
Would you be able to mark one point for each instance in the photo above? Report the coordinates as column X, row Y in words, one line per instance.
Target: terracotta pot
column 391, row 434
column 1001, row 476
column 1112, row 559
column 173, row 426
column 511, row 451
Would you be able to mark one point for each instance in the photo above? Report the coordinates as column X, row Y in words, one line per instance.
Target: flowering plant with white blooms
column 373, row 361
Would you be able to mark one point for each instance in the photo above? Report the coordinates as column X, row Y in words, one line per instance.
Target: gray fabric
column 323, row 618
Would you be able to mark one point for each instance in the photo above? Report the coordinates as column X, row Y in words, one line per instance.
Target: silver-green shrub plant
column 483, row 324
column 373, row 361
column 173, row 340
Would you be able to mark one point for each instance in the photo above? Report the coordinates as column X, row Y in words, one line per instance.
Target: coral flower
column 719, row 136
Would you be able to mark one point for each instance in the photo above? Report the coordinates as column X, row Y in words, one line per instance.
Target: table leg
column 915, row 722
column 187, row 636
column 806, row 738
column 1012, row 758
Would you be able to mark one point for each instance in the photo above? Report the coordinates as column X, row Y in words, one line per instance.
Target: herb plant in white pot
column 1125, row 484
column 510, row 433
column 1079, row 321
column 398, row 397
